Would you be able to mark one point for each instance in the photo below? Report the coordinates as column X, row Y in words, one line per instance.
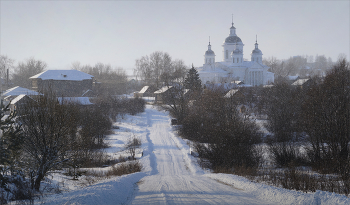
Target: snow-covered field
column 172, row 176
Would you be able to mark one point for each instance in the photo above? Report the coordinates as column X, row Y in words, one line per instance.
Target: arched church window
column 226, row 54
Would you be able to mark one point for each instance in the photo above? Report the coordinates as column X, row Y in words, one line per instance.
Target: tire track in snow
column 153, row 158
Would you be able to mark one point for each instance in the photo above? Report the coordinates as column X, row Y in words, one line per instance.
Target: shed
column 159, row 94
column 146, row 91
column 19, row 101
column 235, row 94
column 12, row 93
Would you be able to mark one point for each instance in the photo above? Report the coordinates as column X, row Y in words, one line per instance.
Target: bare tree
column 326, row 114
column 47, row 129
column 113, row 80
column 6, row 64
column 274, row 64
column 27, row 69
column 159, row 69
column 176, row 102
column 132, row 144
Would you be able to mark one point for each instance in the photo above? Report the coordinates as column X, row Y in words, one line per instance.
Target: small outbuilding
column 19, row 101
column 146, row 91
column 161, row 93
column 302, row 83
column 12, row 93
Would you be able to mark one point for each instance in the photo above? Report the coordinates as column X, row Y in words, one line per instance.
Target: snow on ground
column 172, row 176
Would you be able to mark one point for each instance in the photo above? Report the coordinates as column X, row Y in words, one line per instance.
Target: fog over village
column 175, row 102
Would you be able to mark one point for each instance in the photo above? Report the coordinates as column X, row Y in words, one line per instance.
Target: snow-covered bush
column 230, row 136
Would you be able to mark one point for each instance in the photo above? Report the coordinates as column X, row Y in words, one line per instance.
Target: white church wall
column 250, row 72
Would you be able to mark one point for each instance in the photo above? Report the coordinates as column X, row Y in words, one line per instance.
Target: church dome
column 232, row 39
column 209, row 53
column 257, row 51
column 236, row 51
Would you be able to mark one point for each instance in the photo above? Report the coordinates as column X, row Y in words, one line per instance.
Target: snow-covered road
column 171, row 181
column 171, row 175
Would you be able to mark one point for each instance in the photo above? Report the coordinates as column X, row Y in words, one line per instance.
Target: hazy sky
column 119, row 32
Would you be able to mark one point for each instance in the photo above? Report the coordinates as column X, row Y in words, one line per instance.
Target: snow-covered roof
column 4, row 117
column 74, row 75
column 163, row 89
column 244, row 64
column 300, row 82
column 144, row 89
column 238, row 82
column 186, row 91
column 18, row 98
column 295, row 77
column 79, row 100
column 245, row 85
column 216, row 70
column 15, row 91
column 231, row 93
column 86, row 92
column 222, row 85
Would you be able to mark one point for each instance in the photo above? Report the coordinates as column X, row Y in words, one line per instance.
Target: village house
column 67, row 83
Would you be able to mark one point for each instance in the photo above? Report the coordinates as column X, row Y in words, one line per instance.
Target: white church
column 233, row 67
